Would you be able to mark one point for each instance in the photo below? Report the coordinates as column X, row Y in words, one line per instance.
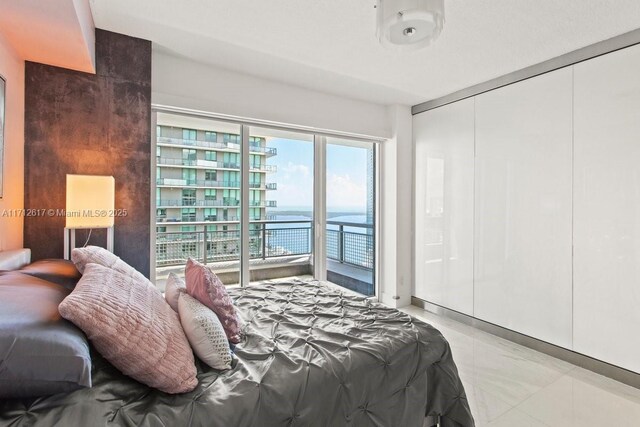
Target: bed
column 313, row 355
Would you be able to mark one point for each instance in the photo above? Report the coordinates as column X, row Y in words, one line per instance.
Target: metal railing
column 225, row 145
column 351, row 247
column 177, row 182
column 173, row 248
column 268, row 239
column 197, row 203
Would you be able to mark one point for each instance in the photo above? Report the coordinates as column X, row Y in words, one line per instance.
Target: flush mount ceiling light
column 409, row 24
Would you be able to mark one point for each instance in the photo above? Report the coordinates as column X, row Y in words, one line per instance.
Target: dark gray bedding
column 312, row 356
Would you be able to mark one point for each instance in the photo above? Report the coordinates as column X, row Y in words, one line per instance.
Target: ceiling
column 59, row 33
column 330, row 45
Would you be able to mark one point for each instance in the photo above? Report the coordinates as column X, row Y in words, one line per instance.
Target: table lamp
column 90, row 204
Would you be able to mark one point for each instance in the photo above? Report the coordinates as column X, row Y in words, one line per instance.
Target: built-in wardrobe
column 527, row 207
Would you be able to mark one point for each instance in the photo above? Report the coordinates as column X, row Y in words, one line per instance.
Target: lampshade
column 409, row 24
column 90, row 201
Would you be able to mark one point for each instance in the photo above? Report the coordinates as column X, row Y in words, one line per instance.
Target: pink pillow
column 133, row 327
column 206, row 287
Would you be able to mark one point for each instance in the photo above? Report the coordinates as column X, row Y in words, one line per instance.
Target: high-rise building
column 198, row 180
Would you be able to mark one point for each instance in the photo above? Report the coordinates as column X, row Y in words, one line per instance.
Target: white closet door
column 523, row 207
column 607, row 208
column 444, row 205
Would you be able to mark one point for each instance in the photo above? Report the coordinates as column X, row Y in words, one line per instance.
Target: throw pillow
column 206, row 287
column 205, row 332
column 132, row 326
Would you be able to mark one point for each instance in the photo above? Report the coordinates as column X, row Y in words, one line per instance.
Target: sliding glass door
column 259, row 203
column 198, row 185
column 350, row 214
column 280, row 203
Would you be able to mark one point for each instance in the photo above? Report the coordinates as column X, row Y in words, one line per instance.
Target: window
column 189, row 134
column 189, row 156
column 210, row 175
column 254, row 180
column 210, row 136
column 231, row 160
column 282, row 200
column 255, row 161
column 254, row 214
column 188, row 197
column 158, row 151
column 256, row 142
column 231, row 138
column 231, row 197
column 189, row 175
column 188, row 215
column 210, row 194
column 210, row 214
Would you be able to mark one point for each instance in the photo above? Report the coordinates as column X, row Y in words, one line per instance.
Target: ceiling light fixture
column 409, row 24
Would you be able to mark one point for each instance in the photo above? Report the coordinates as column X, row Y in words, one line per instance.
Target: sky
column 346, row 176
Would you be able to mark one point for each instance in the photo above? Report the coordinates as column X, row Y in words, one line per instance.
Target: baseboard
column 598, row 366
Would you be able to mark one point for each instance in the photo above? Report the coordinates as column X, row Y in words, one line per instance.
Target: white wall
column 179, row 82
column 12, row 69
column 396, row 209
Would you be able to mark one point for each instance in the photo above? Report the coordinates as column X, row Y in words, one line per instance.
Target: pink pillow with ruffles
column 206, row 287
column 131, row 325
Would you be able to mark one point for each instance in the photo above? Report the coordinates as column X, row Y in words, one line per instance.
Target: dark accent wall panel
column 94, row 124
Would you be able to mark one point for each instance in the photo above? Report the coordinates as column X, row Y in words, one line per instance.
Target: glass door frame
column 318, row 259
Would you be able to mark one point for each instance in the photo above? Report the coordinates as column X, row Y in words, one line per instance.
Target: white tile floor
column 512, row 386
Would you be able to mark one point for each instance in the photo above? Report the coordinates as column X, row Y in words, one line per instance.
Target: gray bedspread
column 312, row 356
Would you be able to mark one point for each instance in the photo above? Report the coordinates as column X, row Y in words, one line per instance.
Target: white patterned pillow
column 173, row 288
column 204, row 332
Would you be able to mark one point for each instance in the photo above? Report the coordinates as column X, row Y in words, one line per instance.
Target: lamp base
column 70, row 240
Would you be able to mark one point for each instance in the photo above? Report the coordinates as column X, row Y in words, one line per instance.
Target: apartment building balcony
column 198, row 163
column 263, row 204
column 207, row 145
column 177, row 182
column 177, row 220
column 276, row 249
column 227, row 203
column 263, row 168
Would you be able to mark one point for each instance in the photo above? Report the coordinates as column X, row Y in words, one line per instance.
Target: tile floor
column 509, row 385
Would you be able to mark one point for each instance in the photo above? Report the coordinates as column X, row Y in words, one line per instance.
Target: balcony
column 263, row 204
column 225, row 145
column 209, row 164
column 275, row 248
column 264, row 168
column 175, row 182
column 197, row 203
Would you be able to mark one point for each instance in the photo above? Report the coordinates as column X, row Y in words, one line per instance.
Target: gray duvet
column 312, row 356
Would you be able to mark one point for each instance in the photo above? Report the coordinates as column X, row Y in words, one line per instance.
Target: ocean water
column 288, row 243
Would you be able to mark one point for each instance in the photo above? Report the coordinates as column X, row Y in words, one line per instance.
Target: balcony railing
column 168, row 161
column 176, row 182
column 263, row 204
column 270, row 239
column 264, row 168
column 197, row 203
column 225, row 145
column 173, row 248
column 350, row 247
